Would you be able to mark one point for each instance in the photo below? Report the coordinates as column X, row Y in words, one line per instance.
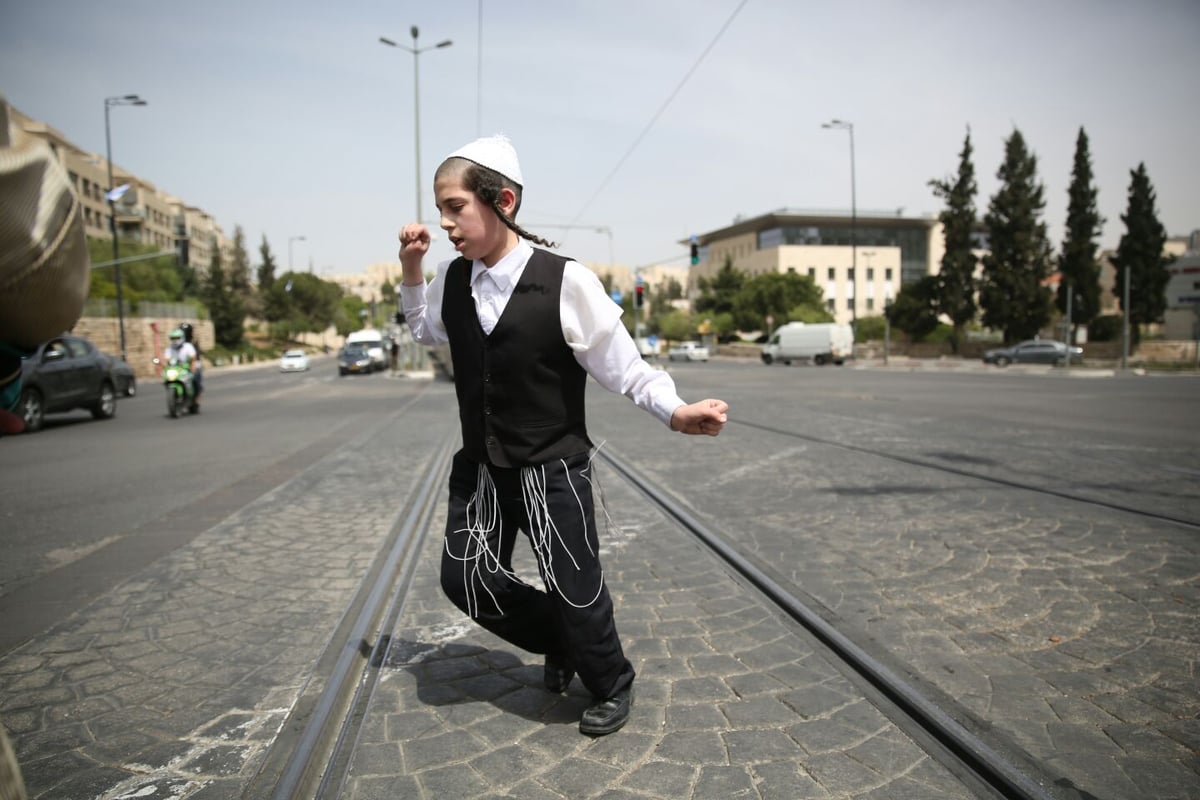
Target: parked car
column 294, row 361
column 1034, row 351
column 64, row 374
column 688, row 351
column 356, row 359
column 124, row 378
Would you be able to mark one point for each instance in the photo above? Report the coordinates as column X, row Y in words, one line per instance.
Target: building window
column 870, row 274
column 870, row 303
column 812, row 273
column 850, row 275
column 887, row 274
column 792, row 270
column 830, row 304
column 831, row 273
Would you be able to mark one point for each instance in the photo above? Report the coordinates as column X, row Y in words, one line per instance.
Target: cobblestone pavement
column 730, row 699
column 1065, row 630
column 175, row 683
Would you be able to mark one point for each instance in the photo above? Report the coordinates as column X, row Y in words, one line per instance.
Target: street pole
column 417, row 115
column 416, row 52
column 849, row 127
column 1125, row 323
column 1070, row 339
column 290, row 240
column 109, row 102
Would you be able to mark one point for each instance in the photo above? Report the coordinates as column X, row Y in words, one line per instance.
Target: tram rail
column 315, row 759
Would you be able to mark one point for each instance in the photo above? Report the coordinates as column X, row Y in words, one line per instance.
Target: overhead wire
column 662, row 108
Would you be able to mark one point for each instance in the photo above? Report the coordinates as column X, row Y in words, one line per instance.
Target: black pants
column 573, row 616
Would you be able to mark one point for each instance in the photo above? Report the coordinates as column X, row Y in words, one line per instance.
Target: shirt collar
column 507, row 271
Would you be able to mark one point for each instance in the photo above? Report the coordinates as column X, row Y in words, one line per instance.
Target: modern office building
column 889, row 250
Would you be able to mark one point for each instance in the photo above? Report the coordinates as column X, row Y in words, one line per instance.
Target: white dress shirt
column 591, row 325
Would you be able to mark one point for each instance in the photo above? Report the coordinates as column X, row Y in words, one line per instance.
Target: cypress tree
column 1141, row 252
column 266, row 269
column 239, row 269
column 1011, row 293
column 956, row 280
column 225, row 308
column 1077, row 265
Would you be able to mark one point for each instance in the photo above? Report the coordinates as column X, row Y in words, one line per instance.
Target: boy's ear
column 508, row 202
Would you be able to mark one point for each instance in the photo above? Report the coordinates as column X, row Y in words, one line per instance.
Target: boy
column 526, row 328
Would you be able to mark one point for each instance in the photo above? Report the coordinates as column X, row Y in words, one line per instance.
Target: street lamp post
column 849, row 126
column 109, row 102
column 290, row 240
column 416, row 51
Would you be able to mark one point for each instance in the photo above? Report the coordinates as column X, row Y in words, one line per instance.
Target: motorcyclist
column 180, row 351
column 198, row 366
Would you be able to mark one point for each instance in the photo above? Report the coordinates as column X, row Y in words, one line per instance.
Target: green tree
column 1141, row 252
column 224, row 305
column 237, row 274
column 775, row 294
column 1077, row 264
column 347, row 316
column 661, row 296
column 956, row 280
column 717, row 295
column 156, row 279
column 915, row 309
column 266, row 267
column 676, row 326
column 1012, row 294
column 313, row 301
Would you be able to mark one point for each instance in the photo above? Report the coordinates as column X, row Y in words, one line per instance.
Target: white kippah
column 494, row 152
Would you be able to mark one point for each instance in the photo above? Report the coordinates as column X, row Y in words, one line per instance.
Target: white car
column 688, row 351
column 294, row 361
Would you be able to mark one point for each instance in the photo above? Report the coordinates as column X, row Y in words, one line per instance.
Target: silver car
column 1034, row 351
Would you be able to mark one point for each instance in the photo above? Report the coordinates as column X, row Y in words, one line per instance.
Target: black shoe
column 608, row 715
column 557, row 674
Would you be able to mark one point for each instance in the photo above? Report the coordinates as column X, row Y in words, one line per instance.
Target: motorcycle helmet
column 176, row 335
column 186, row 328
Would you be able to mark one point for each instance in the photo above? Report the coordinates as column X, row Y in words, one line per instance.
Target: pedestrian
column 526, row 328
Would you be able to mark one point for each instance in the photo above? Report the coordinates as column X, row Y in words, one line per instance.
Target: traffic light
column 695, row 251
column 639, row 296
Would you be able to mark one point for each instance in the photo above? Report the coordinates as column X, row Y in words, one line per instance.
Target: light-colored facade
column 144, row 213
column 368, row 285
column 890, row 250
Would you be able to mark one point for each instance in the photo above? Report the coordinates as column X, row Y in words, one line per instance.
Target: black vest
column 520, row 389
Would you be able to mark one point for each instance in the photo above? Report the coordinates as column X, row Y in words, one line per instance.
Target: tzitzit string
column 483, row 518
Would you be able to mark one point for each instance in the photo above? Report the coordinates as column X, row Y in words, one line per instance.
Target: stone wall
column 145, row 338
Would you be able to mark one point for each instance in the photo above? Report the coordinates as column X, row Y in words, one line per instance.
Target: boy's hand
column 706, row 418
column 414, row 244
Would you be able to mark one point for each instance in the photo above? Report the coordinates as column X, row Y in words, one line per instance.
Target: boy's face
column 473, row 227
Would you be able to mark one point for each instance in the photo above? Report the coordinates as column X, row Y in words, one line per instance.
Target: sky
column 638, row 123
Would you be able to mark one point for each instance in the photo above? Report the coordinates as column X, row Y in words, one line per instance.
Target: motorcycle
column 181, row 392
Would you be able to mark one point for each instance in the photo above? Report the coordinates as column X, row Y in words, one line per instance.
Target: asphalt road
column 86, row 503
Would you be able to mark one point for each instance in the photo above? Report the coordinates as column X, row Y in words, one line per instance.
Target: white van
column 373, row 339
column 821, row 342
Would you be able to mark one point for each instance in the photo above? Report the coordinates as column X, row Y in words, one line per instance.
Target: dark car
column 1034, row 351
column 123, row 377
column 63, row 374
column 354, row 359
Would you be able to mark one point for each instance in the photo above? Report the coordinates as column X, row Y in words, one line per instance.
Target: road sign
column 616, row 296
